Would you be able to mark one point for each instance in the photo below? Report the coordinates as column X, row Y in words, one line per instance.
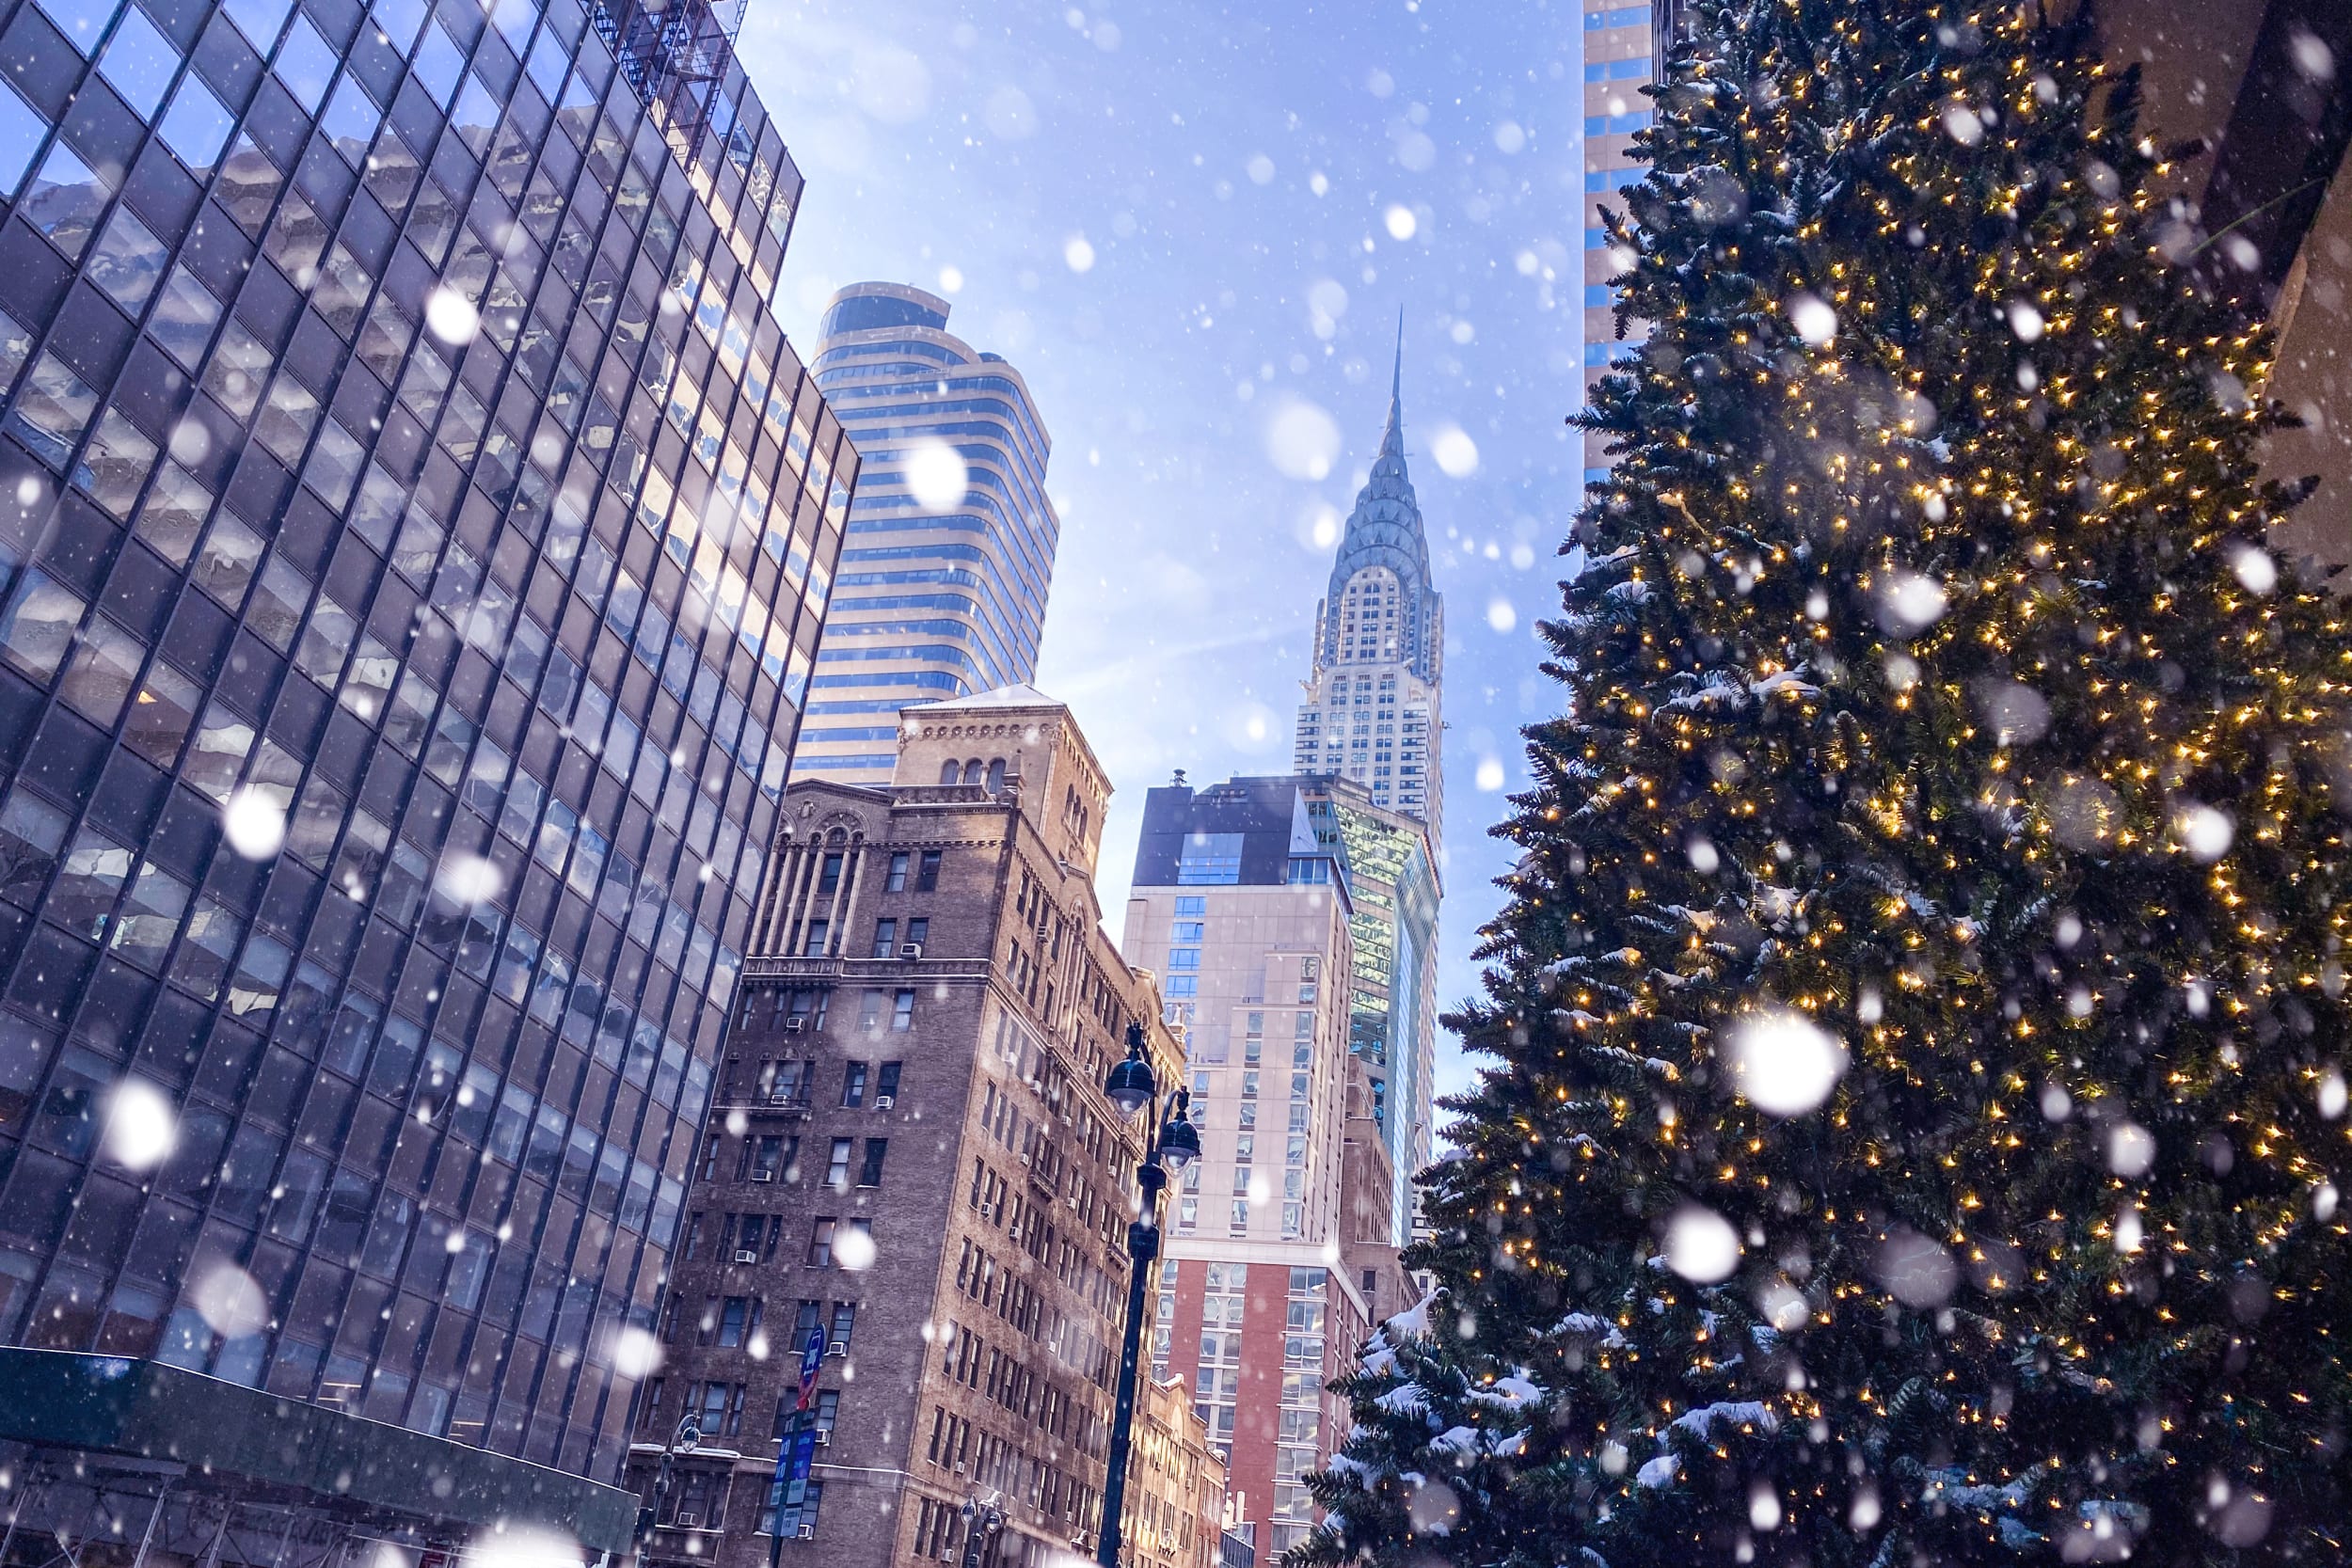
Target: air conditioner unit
column 687, row 1521
column 839, row 1347
column 823, row 1439
column 763, row 1176
column 988, row 1210
column 807, row 1532
column 747, row 1257
column 884, row 1102
column 794, row 1025
column 910, row 950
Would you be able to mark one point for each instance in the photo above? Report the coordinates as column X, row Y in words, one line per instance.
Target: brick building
column 911, row 1154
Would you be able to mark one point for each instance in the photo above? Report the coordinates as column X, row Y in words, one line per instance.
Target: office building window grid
column 398, row 445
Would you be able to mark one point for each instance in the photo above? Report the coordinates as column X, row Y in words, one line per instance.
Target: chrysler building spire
column 1371, row 712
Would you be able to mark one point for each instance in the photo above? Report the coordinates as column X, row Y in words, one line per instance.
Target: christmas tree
column 1915, row 1025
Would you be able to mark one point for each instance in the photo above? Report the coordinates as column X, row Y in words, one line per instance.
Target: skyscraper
column 1371, row 710
column 1244, row 905
column 1620, row 59
column 417, row 533
column 950, row 549
column 1372, row 721
column 1392, row 975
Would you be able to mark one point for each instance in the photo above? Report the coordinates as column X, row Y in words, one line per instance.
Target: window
column 824, row 1410
column 902, row 1011
column 897, row 880
column 844, row 1322
column 919, row 931
column 885, row 938
column 813, row 947
column 53, row 409
column 828, row 875
column 699, row 1501
column 837, row 1167
column 853, row 1083
column 886, row 1083
column 821, row 1245
column 871, row 1169
column 1209, row 860
column 129, row 261
column 1191, row 904
column 926, row 872
column 708, row 1404
column 869, row 1010
column 767, row 1160
column 732, row 1318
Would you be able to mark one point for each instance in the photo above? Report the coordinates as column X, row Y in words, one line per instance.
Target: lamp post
column 1170, row 1146
column 689, row 1436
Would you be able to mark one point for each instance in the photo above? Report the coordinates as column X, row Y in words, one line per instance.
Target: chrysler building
column 1371, row 713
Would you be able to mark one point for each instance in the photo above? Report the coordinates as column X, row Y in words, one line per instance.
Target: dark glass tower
column 399, row 464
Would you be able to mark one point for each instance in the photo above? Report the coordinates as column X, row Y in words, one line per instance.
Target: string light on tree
column 1937, row 880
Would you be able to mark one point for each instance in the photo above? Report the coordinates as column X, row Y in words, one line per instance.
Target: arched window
column 948, row 771
column 996, row 774
column 971, row 771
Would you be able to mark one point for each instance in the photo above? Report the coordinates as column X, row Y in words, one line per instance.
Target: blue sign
column 790, row 1483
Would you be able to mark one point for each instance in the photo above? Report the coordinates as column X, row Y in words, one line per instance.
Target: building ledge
column 880, row 971
column 150, row 1411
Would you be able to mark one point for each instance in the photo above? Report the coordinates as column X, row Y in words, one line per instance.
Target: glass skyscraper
column 1392, row 982
column 951, row 544
column 1620, row 59
column 401, row 468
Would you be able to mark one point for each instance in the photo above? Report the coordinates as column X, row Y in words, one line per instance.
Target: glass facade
column 1392, row 991
column 401, row 468
column 1619, row 61
column 950, row 551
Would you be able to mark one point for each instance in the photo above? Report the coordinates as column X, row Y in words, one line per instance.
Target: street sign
column 789, row 1485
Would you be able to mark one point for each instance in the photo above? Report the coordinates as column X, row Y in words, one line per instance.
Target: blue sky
column 1192, row 226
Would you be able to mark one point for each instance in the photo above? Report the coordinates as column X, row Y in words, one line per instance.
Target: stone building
column 910, row 1156
column 1175, row 1483
column 1246, row 906
column 1370, row 1248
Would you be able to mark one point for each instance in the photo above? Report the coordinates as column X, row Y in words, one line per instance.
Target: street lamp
column 689, row 1436
column 1174, row 1145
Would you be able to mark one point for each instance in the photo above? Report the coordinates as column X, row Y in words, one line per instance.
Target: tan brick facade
column 929, row 1010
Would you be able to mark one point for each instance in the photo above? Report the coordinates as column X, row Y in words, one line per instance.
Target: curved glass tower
column 951, row 546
